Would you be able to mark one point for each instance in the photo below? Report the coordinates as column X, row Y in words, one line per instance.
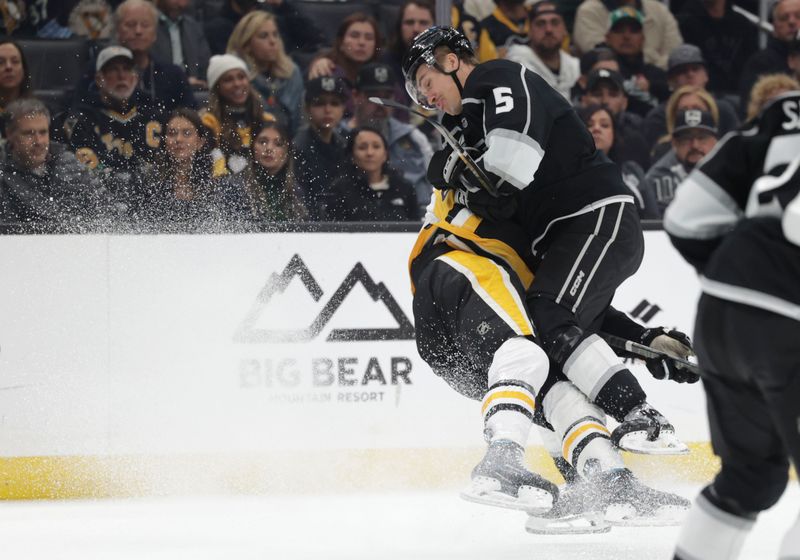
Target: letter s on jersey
column 791, row 109
column 503, row 100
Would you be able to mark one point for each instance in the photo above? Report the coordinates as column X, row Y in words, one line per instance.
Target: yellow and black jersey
column 449, row 226
column 244, row 127
column 498, row 32
column 103, row 137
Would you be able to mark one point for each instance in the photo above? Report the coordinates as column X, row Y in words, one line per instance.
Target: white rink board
column 167, row 344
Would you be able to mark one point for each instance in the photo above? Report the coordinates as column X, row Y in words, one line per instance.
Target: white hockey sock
column 580, row 428
column 709, row 533
column 591, row 365
column 518, row 371
column 790, row 546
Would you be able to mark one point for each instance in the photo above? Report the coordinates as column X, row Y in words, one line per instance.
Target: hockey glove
column 446, row 170
column 496, row 209
column 674, row 343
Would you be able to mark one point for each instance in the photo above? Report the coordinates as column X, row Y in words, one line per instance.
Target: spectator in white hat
column 234, row 108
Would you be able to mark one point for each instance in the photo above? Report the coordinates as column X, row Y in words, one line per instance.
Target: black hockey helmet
column 421, row 52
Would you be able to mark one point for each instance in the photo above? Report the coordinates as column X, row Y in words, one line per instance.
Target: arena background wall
column 275, row 362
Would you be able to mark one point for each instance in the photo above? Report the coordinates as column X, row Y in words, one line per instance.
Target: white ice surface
column 435, row 525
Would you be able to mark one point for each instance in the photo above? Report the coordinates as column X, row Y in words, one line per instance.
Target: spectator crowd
column 225, row 115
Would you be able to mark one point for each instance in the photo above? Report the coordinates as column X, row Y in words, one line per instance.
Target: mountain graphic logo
column 248, row 332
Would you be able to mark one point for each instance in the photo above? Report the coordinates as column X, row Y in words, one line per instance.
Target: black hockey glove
column 496, row 209
column 674, row 343
column 446, row 170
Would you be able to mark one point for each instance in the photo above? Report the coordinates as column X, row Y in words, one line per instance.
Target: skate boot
column 501, row 479
column 628, row 502
column 578, row 510
column 646, row 430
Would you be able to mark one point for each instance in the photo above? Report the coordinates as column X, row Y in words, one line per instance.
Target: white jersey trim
column 701, row 209
column 750, row 297
column 512, row 156
column 624, row 198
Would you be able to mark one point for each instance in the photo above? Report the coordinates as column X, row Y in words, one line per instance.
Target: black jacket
column 772, row 59
column 353, row 200
column 316, row 163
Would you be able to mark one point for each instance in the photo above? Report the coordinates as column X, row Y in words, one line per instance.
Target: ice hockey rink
column 387, row 526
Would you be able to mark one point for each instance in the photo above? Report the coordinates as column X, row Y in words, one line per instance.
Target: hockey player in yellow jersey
column 469, row 277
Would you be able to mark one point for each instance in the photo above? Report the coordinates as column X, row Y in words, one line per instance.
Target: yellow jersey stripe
column 493, row 284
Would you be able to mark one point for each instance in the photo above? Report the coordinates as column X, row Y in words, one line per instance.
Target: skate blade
column 577, row 524
column 666, row 444
column 487, row 491
column 625, row 515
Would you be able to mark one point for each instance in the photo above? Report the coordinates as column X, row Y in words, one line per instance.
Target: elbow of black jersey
column 697, row 252
column 620, row 324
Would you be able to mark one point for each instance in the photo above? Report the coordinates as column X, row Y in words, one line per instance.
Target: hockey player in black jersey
column 742, row 233
column 469, row 276
column 581, row 222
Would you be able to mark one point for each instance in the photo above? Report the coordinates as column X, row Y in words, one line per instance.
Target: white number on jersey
column 503, row 100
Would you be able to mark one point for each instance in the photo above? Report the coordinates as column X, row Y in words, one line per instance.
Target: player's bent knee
column 752, row 490
column 519, row 359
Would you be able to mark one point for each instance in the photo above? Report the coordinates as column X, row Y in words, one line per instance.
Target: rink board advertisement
column 249, row 344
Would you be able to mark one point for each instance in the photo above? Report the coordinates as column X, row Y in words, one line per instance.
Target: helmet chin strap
column 455, row 78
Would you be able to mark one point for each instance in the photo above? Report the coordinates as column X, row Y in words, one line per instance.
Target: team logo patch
column 464, row 122
column 693, row 117
column 483, row 328
column 328, row 84
column 382, row 74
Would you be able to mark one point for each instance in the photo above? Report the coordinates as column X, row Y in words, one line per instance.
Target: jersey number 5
column 503, row 100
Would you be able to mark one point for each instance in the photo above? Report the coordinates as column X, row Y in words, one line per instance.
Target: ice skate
column 645, row 430
column 501, row 479
column 577, row 510
column 628, row 502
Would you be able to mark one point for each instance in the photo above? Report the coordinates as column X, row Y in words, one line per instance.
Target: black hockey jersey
column 534, row 144
column 728, row 217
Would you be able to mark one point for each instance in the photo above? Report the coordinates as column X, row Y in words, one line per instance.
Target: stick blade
column 377, row 100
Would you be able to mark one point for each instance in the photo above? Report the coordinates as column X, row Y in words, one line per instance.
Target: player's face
column 11, row 73
column 137, row 29
column 359, row 42
column 182, row 140
column 689, row 75
column 234, row 87
column 30, row 140
column 627, row 38
column 787, row 20
column 416, row 19
column 326, row 111
column 265, row 44
column 117, row 79
column 369, row 153
column 547, row 32
column 270, row 150
column 601, row 127
column 692, row 145
column 438, row 89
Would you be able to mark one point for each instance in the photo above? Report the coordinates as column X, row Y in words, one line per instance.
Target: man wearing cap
column 687, row 67
column 136, row 24
column 605, row 87
column 694, row 135
column 725, row 38
column 625, row 37
column 661, row 34
column 118, row 126
column 774, row 58
column 543, row 54
column 320, row 147
column 409, row 149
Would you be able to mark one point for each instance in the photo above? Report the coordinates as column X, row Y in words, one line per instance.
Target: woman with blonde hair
column 256, row 39
column 766, row 88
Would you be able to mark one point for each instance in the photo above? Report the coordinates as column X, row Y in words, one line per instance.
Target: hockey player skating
column 570, row 200
column 743, row 236
column 473, row 329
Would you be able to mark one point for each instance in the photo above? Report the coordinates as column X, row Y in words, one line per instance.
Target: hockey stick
column 648, row 353
column 484, row 181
